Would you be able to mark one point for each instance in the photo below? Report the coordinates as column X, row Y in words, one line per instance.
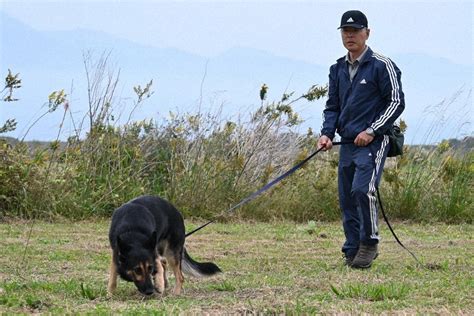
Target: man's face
column 354, row 39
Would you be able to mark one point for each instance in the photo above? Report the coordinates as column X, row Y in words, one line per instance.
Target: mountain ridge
column 48, row 61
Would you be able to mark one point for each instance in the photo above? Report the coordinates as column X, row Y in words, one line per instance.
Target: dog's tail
column 198, row 269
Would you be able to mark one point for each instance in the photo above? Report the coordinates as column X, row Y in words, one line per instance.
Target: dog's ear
column 122, row 246
column 151, row 243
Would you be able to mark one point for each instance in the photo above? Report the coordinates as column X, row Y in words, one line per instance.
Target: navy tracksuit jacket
column 374, row 99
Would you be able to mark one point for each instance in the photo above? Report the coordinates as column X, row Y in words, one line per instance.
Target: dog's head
column 137, row 261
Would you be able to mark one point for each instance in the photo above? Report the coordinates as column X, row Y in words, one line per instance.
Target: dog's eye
column 137, row 270
column 152, row 269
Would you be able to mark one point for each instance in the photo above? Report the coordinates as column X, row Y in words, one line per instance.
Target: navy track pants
column 360, row 171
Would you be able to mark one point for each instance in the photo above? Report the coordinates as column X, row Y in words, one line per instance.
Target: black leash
column 391, row 229
column 292, row 170
column 379, row 199
column 267, row 186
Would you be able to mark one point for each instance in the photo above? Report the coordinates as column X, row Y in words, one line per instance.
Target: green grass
column 269, row 268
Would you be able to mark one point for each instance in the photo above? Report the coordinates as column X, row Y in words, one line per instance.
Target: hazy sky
column 305, row 30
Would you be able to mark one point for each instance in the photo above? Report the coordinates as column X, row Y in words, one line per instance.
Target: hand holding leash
column 363, row 139
column 324, row 143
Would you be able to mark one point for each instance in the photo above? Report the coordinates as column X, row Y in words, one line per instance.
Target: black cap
column 355, row 19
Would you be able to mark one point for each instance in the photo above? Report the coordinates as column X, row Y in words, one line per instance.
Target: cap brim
column 356, row 26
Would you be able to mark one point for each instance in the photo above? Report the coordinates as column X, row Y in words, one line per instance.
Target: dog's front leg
column 112, row 278
column 160, row 277
column 165, row 269
column 176, row 265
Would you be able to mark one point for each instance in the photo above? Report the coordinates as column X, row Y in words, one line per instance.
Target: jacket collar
column 368, row 54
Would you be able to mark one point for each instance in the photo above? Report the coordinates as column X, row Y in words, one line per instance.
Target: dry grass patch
column 268, row 267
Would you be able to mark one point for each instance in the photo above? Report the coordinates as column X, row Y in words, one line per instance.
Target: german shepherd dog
column 146, row 235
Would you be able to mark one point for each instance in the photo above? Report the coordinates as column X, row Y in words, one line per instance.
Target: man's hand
column 363, row 139
column 324, row 142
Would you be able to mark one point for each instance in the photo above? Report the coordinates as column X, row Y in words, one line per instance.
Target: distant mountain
column 49, row 61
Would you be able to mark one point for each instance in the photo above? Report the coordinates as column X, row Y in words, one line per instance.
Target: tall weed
column 205, row 162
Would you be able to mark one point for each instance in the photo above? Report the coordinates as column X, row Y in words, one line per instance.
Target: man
column 365, row 98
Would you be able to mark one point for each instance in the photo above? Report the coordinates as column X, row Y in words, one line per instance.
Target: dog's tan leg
column 112, row 278
column 160, row 276
column 176, row 266
column 165, row 269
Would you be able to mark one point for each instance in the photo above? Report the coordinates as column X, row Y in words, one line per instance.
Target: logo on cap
column 353, row 18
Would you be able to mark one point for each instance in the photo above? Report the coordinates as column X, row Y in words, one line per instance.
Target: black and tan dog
column 146, row 235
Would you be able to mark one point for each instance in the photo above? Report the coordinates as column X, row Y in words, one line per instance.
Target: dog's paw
column 159, row 290
column 177, row 291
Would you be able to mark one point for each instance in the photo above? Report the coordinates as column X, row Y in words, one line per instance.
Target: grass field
column 282, row 268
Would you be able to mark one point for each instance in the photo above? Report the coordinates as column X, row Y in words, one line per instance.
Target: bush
column 26, row 189
column 431, row 184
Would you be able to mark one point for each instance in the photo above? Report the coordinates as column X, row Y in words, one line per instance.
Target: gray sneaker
column 365, row 256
